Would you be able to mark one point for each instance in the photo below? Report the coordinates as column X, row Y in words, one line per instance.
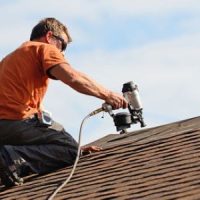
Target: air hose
column 59, row 188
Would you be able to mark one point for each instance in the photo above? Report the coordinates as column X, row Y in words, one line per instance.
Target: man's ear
column 48, row 36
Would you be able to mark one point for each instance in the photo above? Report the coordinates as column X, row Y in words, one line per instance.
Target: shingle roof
column 156, row 163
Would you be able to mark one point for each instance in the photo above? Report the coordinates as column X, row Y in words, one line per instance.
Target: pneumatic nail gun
column 123, row 120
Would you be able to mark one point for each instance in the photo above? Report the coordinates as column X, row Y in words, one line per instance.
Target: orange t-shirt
column 24, row 79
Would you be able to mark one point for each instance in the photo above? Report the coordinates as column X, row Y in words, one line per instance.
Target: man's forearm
column 84, row 84
column 79, row 81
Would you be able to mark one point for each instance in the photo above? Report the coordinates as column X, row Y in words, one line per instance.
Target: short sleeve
column 50, row 56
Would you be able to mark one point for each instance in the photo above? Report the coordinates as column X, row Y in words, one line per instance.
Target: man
column 29, row 139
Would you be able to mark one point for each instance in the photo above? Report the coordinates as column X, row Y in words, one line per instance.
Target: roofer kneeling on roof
column 28, row 143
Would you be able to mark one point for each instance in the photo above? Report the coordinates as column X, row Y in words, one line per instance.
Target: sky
column 154, row 43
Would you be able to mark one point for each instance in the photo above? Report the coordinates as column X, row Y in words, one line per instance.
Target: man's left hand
column 90, row 149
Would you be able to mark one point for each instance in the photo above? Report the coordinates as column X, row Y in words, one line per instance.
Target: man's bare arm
column 86, row 85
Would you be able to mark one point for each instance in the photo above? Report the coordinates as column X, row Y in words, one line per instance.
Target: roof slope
column 156, row 163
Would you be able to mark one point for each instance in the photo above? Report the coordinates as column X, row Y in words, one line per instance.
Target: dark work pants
column 43, row 149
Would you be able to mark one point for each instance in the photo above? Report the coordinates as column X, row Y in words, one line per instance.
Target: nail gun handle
column 108, row 108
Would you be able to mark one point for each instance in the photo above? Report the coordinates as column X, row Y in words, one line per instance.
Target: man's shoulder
column 39, row 47
column 34, row 44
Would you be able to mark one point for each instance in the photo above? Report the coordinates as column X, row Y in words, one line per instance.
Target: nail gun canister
column 131, row 94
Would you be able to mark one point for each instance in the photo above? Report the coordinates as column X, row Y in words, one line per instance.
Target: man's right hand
column 116, row 100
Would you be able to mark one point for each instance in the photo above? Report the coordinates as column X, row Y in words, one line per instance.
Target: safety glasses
column 64, row 44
